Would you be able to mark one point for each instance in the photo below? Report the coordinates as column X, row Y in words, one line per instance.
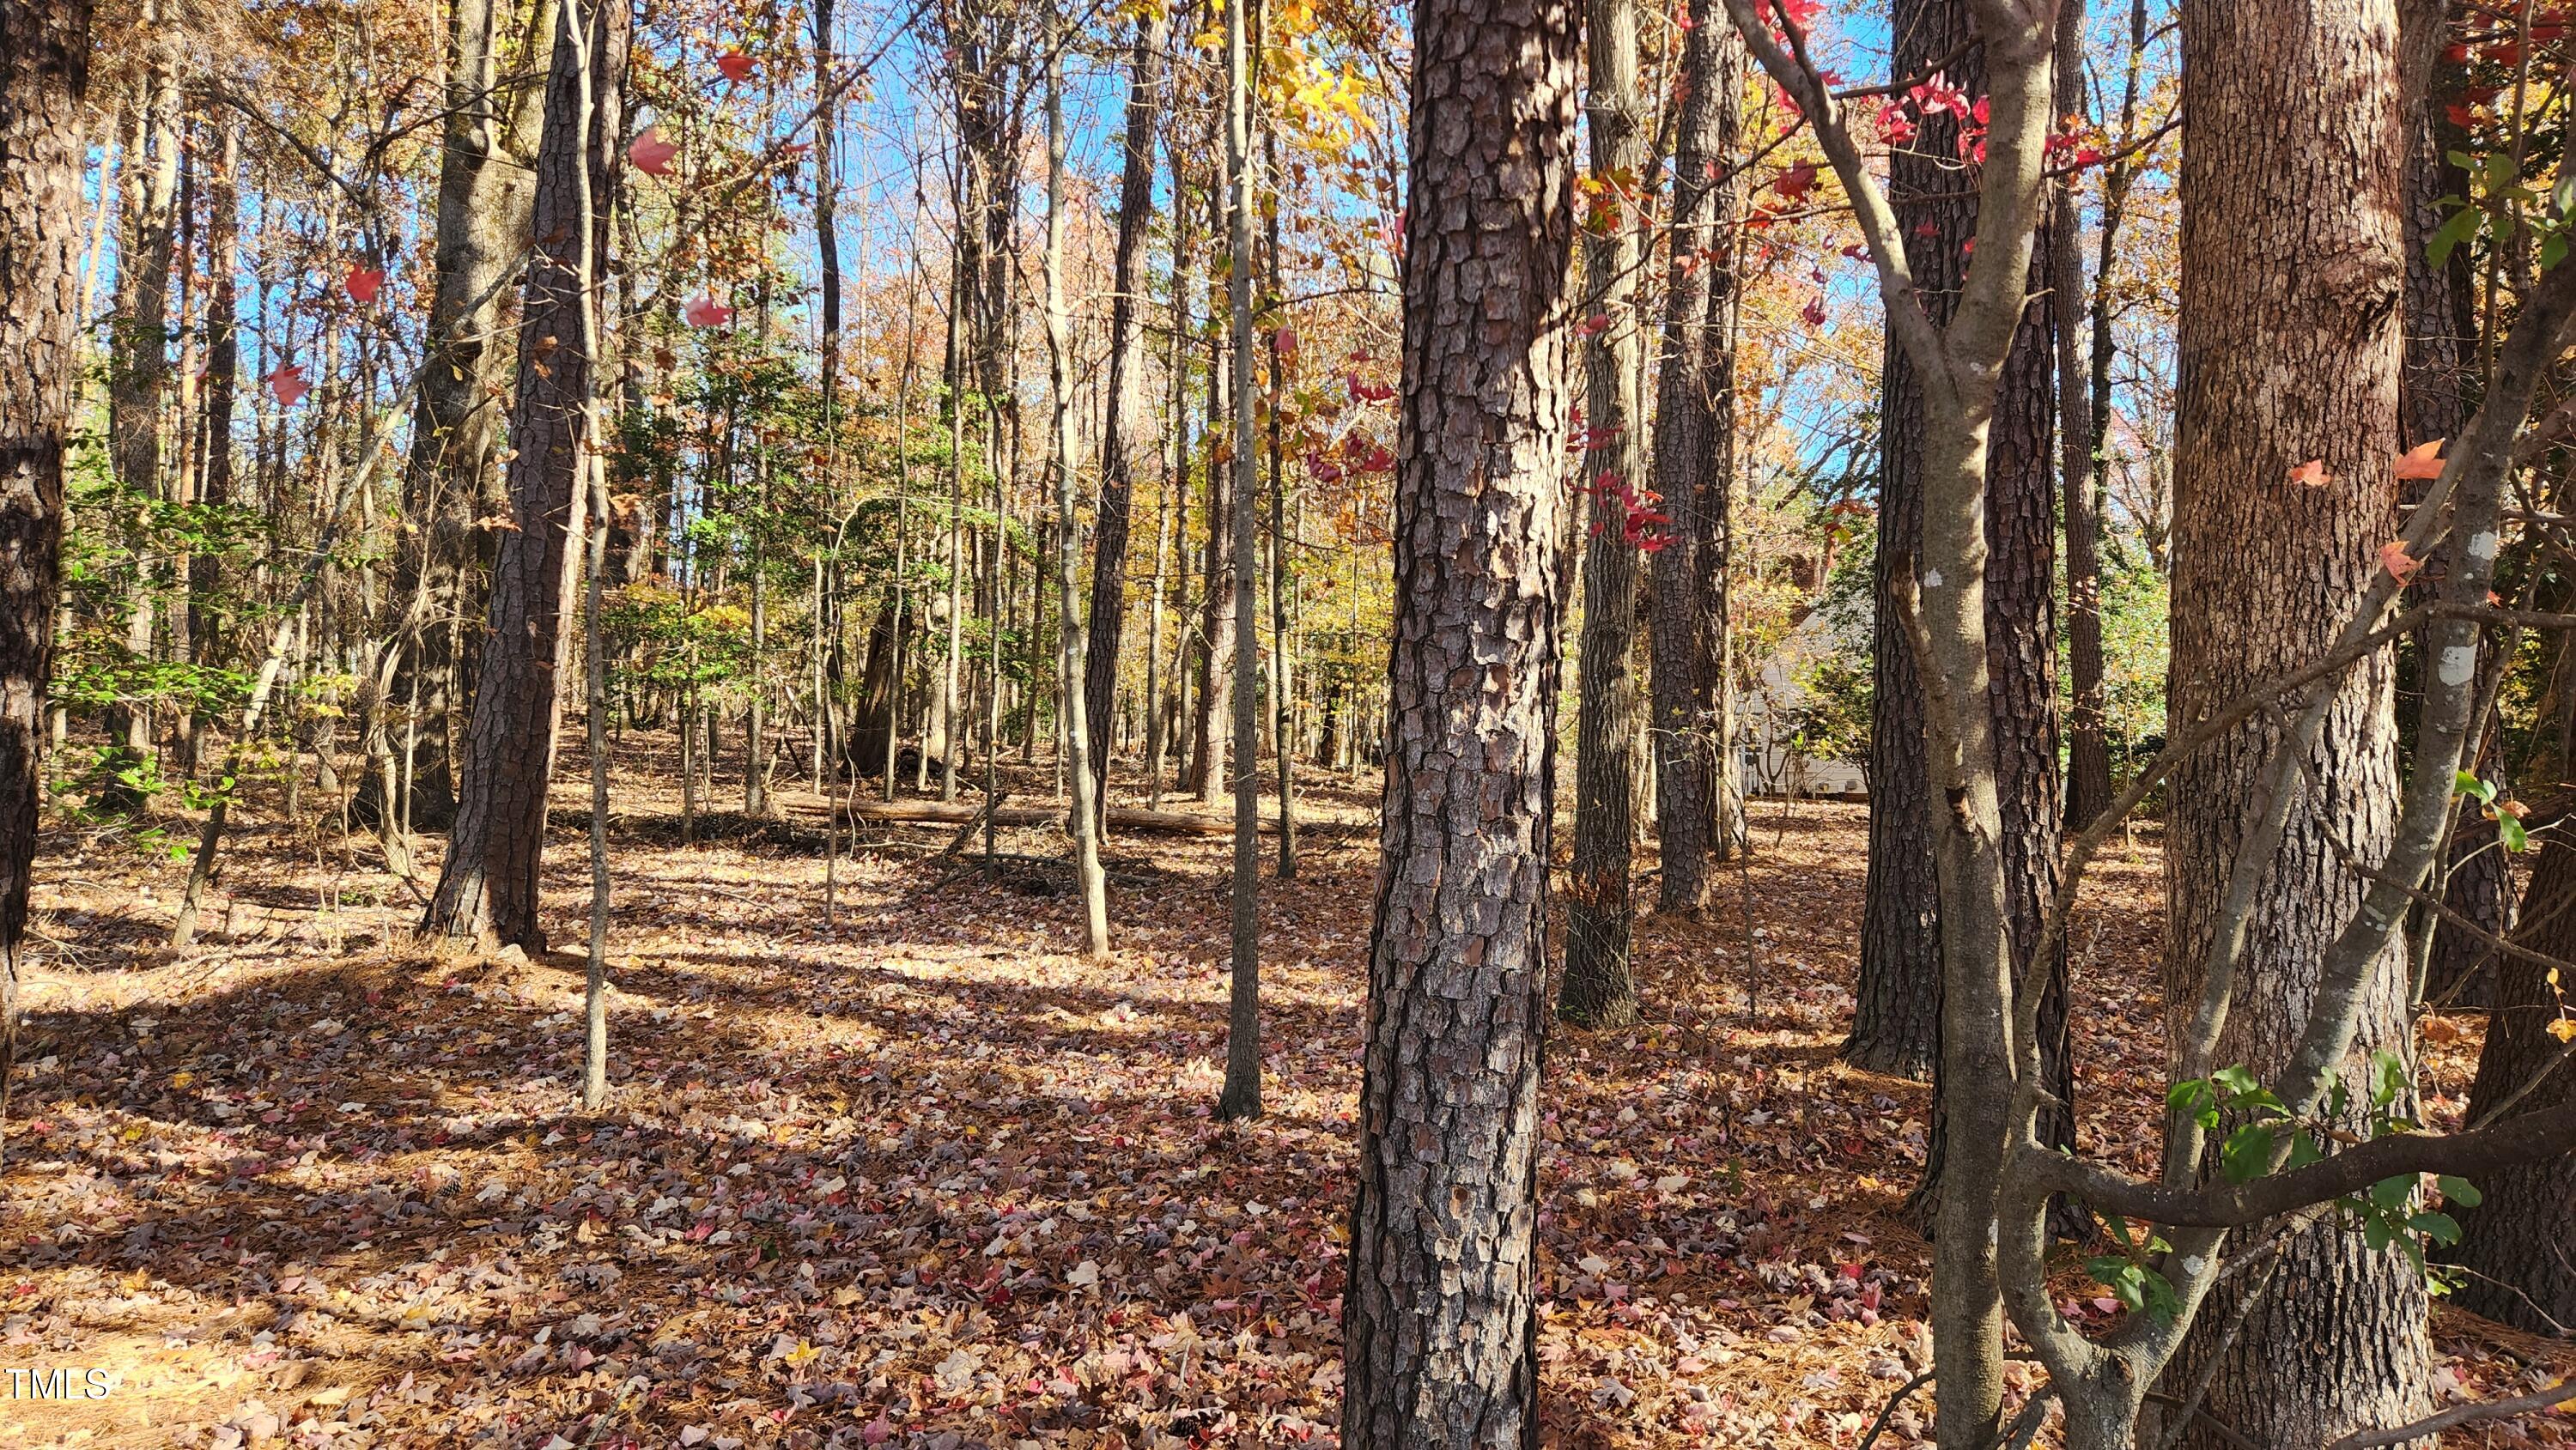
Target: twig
column 2557, row 1394
column 1885, row 1410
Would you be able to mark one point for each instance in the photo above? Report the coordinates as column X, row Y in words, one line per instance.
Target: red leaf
column 651, row 154
column 363, row 283
column 288, row 384
column 2401, row 566
column 1794, row 182
column 736, row 65
column 707, row 312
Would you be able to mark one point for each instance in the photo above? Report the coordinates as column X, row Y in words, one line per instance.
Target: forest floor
column 919, row 1174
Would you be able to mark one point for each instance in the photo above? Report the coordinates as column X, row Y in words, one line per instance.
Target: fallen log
column 1121, row 818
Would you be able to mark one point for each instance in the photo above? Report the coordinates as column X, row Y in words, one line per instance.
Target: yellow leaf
column 2564, row 1029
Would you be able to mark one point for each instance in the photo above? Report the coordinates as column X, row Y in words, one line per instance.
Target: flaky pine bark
column 1599, row 990
column 485, row 188
column 1694, row 453
column 1439, row 1318
column 44, row 77
column 1118, row 444
column 2293, row 275
column 487, row 889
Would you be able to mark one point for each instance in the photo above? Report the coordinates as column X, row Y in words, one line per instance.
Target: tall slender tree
column 1242, row 1095
column 2293, row 279
column 1599, row 989
column 1694, row 452
column 1068, row 455
column 1439, row 1319
column 1118, row 438
column 487, row 888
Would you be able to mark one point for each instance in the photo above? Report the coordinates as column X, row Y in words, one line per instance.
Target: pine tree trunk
column 1439, row 1317
column 487, row 889
column 2293, row 274
column 1897, row 1000
column 1694, row 453
column 2520, row 1241
column 1118, row 441
column 485, row 189
column 1599, row 989
column 43, row 83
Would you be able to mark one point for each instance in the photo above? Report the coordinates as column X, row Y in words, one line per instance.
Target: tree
column 1895, row 1021
column 487, row 888
column 1439, row 1317
column 1599, row 990
column 1694, row 457
column 2266, row 569
column 44, row 79
column 1086, row 816
column 1126, row 388
column 1242, row 1095
column 485, row 188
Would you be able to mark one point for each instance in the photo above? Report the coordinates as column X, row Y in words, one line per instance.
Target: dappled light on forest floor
column 923, row 1175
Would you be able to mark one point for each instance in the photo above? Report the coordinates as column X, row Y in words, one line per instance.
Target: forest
column 1471, row 724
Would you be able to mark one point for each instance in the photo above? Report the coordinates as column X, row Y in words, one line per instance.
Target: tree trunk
column 2022, row 482
column 1599, row 989
column 1897, row 1008
column 487, row 889
column 1118, row 443
column 2519, row 1242
column 43, row 83
column 1241, row 1097
column 207, row 621
column 2293, row 272
column 485, row 189
column 1439, row 1319
column 1069, row 702
column 1694, row 455
column 1216, row 607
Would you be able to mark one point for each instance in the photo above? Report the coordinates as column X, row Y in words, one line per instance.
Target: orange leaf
column 2401, row 566
column 2424, row 460
column 2311, row 474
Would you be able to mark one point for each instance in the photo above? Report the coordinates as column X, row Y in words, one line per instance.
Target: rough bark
column 1897, row 998
column 1599, row 990
column 1439, row 1316
column 1118, row 442
column 485, row 189
column 1216, row 602
column 487, row 889
column 1241, row 1097
column 2519, row 1243
column 44, row 76
column 2022, row 480
column 1694, row 450
column 2293, row 273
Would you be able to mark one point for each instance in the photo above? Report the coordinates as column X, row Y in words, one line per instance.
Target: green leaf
column 2515, row 837
column 2469, row 784
column 2459, row 1192
column 2339, row 1099
column 2441, row 1228
column 2304, row 1150
column 2388, row 1077
column 2375, row 1232
column 2393, row 1193
column 2183, row 1095
column 2461, row 227
column 2237, row 1080
column 2247, row 1152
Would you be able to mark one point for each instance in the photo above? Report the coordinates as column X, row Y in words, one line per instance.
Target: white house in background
column 1771, row 768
